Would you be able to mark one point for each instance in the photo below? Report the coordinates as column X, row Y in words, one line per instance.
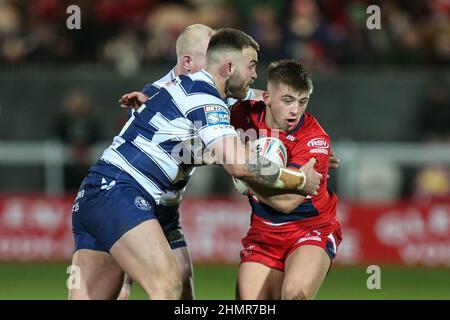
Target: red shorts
column 272, row 248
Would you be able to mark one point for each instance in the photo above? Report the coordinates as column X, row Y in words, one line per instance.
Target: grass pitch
column 48, row 281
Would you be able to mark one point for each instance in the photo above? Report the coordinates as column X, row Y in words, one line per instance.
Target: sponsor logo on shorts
column 248, row 250
column 313, row 236
column 106, row 185
column 309, row 238
column 75, row 207
column 142, row 204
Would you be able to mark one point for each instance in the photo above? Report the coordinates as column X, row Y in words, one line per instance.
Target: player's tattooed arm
column 261, row 171
column 268, row 174
column 245, row 164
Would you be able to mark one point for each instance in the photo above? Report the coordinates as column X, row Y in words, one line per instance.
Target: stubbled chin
column 243, row 95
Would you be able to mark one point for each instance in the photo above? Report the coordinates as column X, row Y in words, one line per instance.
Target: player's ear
column 266, row 98
column 226, row 69
column 186, row 61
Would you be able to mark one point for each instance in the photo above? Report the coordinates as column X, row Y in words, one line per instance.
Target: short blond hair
column 193, row 38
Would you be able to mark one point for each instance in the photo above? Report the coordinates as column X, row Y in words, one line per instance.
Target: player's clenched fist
column 312, row 178
column 305, row 181
column 133, row 100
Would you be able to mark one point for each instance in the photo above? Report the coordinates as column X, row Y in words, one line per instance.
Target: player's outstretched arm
column 245, row 164
column 133, row 100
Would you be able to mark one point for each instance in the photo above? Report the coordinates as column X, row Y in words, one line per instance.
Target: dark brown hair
column 228, row 38
column 291, row 73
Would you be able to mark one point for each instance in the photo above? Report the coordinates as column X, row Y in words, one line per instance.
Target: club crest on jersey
column 142, row 204
column 318, row 143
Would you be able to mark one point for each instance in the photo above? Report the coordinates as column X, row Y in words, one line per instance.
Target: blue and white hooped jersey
column 173, row 196
column 166, row 137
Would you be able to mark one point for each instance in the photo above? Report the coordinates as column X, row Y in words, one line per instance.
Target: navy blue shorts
column 105, row 209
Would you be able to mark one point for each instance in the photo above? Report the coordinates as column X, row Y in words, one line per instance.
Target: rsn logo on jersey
column 142, row 204
column 318, row 143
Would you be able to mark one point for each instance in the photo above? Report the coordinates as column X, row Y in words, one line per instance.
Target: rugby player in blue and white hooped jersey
column 191, row 49
column 114, row 221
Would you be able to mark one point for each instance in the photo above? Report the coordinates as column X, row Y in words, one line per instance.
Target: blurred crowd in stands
column 323, row 33
column 433, row 126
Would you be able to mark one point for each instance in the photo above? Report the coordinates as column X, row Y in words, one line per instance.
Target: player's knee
column 165, row 288
column 299, row 292
column 172, row 288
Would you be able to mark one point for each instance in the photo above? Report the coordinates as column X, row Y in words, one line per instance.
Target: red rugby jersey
column 306, row 140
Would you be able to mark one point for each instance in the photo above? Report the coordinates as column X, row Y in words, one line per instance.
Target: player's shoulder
column 199, row 89
column 309, row 133
column 158, row 84
column 312, row 127
column 311, row 136
column 199, row 82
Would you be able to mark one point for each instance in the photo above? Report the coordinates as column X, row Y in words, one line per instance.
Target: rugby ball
column 269, row 147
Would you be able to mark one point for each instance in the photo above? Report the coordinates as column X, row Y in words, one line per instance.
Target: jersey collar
column 299, row 124
column 207, row 77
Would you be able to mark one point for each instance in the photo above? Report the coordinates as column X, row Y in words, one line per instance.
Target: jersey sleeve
column 150, row 89
column 211, row 122
column 315, row 146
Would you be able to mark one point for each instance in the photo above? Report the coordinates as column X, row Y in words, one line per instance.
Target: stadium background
column 382, row 95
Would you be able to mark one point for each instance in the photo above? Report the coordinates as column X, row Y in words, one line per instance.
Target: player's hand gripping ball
column 269, row 147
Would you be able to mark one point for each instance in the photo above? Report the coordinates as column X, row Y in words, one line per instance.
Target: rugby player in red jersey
column 292, row 239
